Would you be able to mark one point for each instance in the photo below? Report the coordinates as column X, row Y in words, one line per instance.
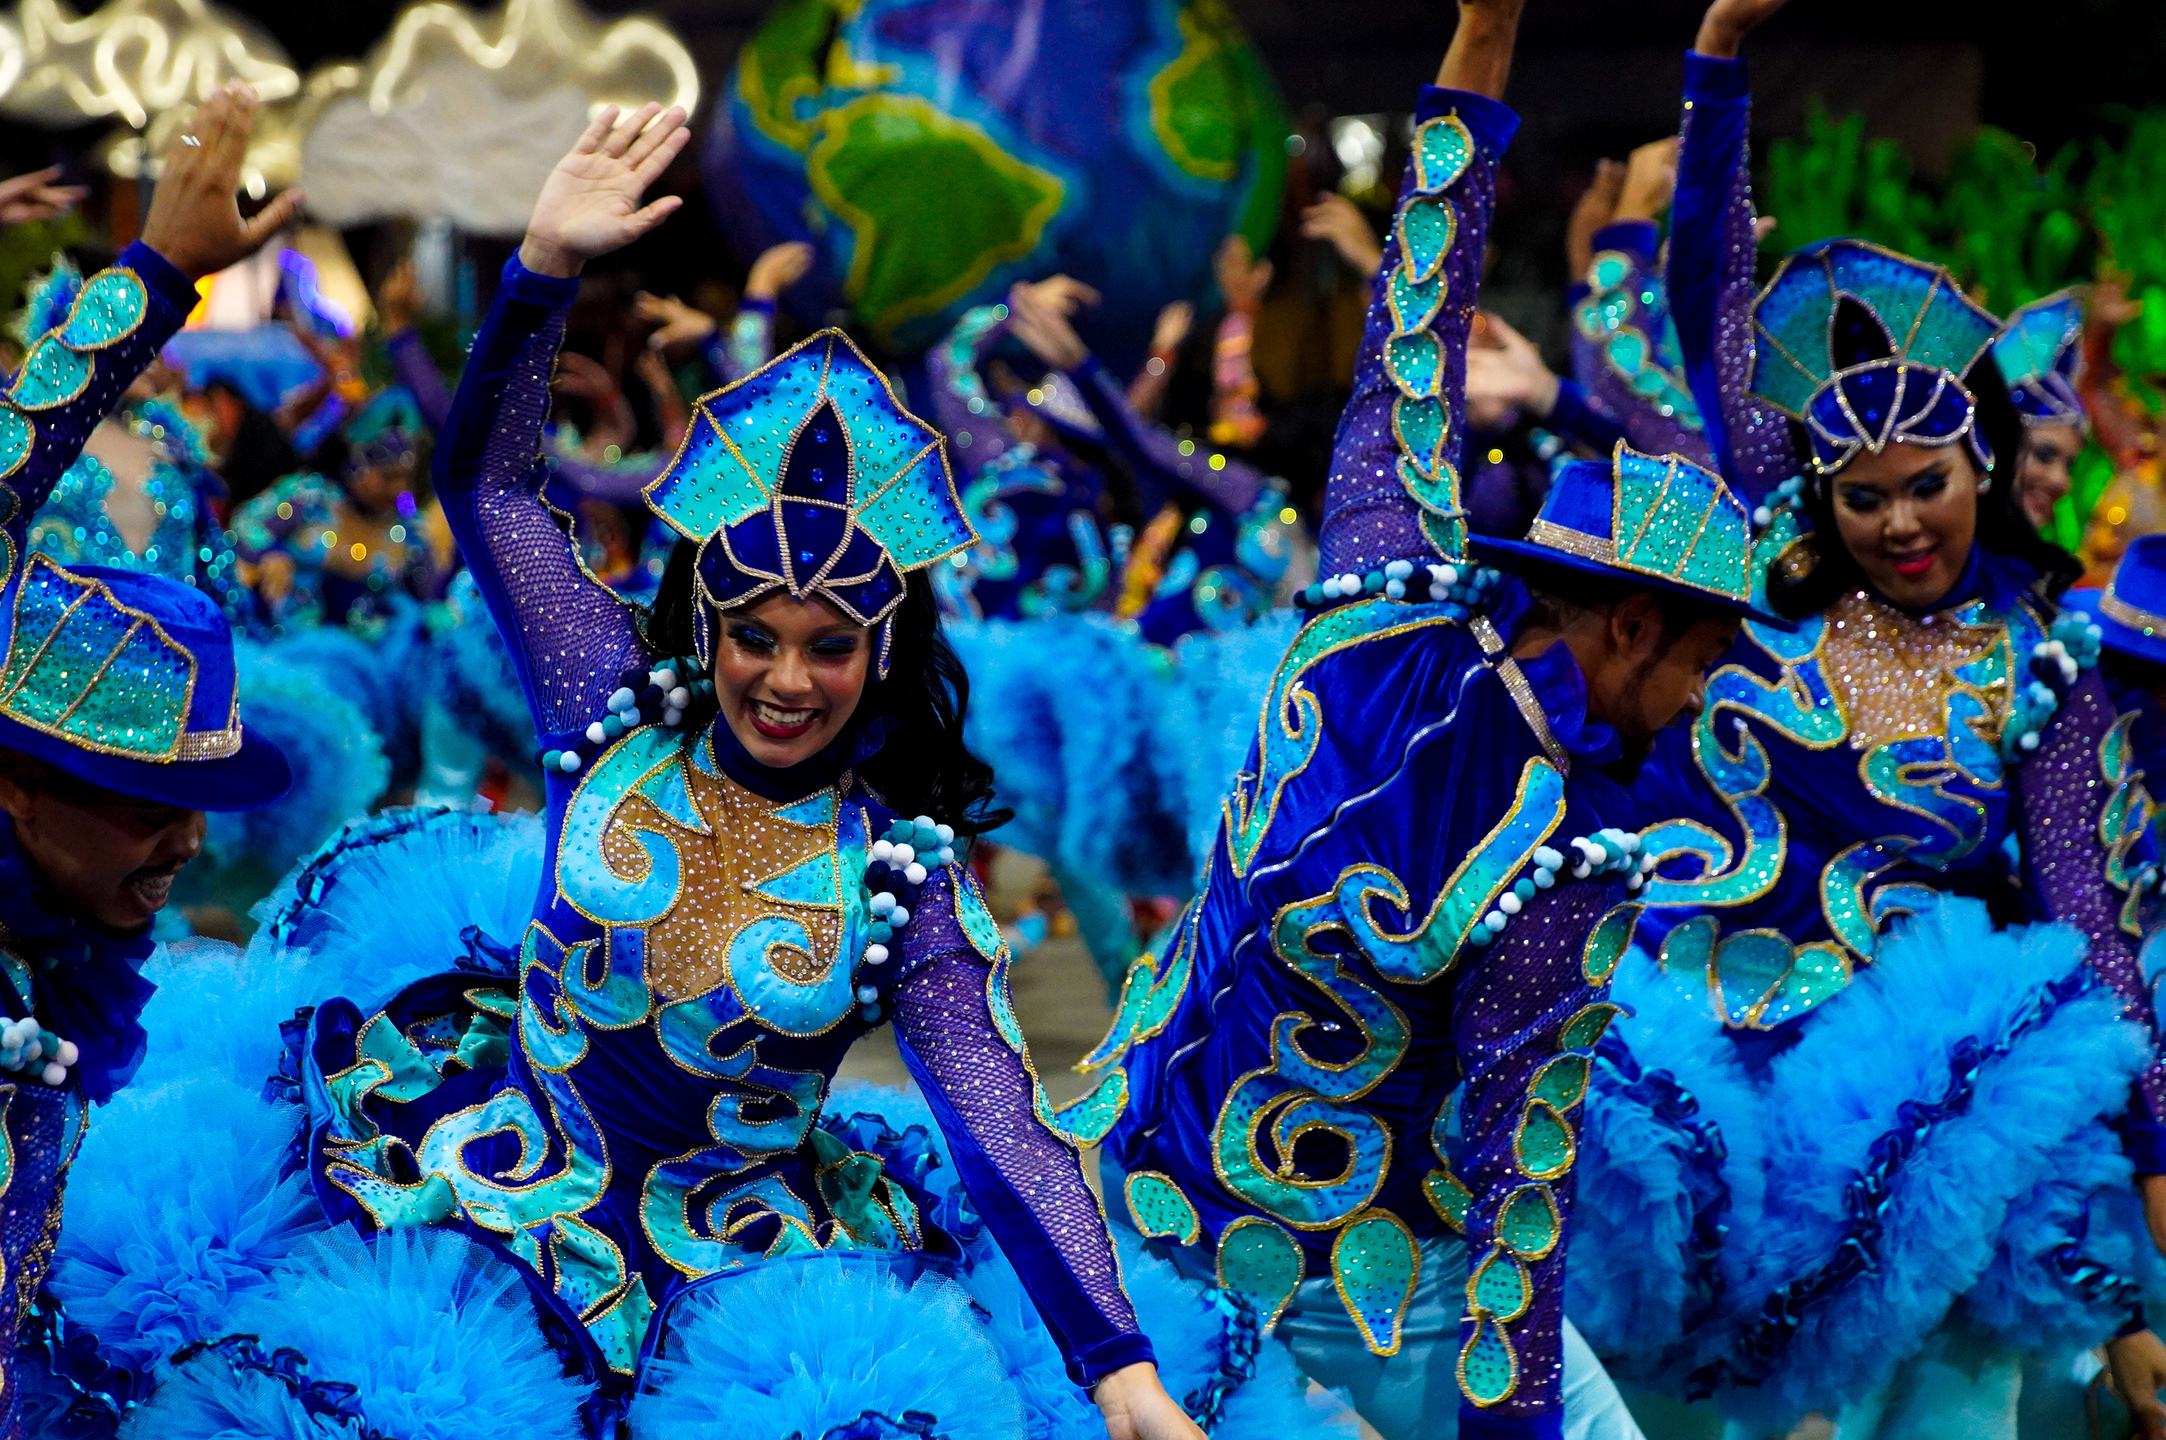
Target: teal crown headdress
column 2038, row 350
column 1868, row 348
column 809, row 477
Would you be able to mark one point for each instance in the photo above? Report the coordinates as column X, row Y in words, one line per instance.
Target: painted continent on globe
column 935, row 151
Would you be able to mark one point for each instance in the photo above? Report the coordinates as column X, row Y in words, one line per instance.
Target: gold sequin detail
column 1893, row 672
column 744, row 846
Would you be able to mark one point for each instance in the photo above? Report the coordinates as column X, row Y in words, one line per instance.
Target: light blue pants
column 1413, row 1395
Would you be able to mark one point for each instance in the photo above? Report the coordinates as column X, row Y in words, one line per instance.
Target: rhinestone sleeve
column 962, row 410
column 112, row 333
column 1712, row 280
column 569, row 635
column 1026, row 1180
column 1619, row 333
column 2061, row 791
column 1370, row 518
column 1154, row 457
column 1523, row 1028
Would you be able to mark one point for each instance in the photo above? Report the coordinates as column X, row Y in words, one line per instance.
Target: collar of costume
column 88, row 984
column 854, row 746
column 808, row 477
column 1560, row 688
column 1868, row 348
column 2038, row 351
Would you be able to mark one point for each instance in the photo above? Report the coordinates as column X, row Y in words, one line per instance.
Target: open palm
column 589, row 205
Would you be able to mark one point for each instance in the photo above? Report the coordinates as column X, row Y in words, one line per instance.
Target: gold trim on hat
column 2115, row 608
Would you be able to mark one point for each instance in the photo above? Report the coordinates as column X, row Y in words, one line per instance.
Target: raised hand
column 1650, row 180
column 35, row 197
column 1242, row 278
column 1064, row 293
column 589, row 205
column 2137, row 1364
column 1726, row 24
column 1172, row 328
column 778, row 268
column 681, row 324
column 1038, row 316
column 1480, row 58
column 1339, row 220
column 1505, row 373
column 1595, row 209
column 398, row 298
column 195, row 221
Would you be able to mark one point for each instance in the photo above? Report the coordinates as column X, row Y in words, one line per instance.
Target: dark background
column 1594, row 78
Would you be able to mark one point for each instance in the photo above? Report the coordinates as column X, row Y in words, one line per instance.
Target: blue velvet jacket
column 1377, row 926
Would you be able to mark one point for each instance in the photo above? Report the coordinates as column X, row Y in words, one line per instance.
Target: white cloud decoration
column 459, row 117
column 130, row 59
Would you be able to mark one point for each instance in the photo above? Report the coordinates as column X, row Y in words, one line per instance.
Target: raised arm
column 1713, row 249
column 570, row 637
column 1394, row 491
column 960, row 406
column 1157, row 460
column 74, row 374
column 959, row 1038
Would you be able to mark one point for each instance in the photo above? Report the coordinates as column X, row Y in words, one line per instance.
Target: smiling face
column 111, row 857
column 788, row 674
column 2043, row 478
column 1908, row 516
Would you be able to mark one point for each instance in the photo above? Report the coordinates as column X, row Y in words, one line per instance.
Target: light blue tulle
column 438, row 1334
column 799, row 1346
column 1636, row 1282
column 1941, row 978
column 207, row 1401
column 339, row 767
column 179, row 1210
column 387, row 901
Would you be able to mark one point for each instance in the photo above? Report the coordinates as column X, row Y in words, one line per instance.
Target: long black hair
column 923, row 768
column 2002, row 526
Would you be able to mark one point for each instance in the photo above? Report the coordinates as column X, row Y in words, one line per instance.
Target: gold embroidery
column 1892, row 673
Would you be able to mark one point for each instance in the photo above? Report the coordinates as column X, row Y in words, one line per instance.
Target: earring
column 1985, row 484
column 703, row 635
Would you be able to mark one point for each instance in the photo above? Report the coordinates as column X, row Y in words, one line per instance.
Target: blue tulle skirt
column 203, row 1295
column 1937, row 1145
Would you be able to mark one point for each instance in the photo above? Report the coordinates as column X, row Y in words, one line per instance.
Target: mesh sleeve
column 1713, row 282
column 1370, row 518
column 968, row 416
column 2062, row 791
column 1509, row 1019
column 1025, row 1179
column 570, row 637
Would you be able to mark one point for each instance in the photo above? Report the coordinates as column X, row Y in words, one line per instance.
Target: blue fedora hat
column 127, row 681
column 2131, row 610
column 1658, row 522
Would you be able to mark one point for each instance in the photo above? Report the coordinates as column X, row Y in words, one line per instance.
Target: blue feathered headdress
column 808, row 476
column 1867, row 348
column 2038, row 351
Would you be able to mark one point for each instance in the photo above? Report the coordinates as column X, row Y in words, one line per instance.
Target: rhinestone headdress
column 2038, row 350
column 808, row 476
column 1867, row 348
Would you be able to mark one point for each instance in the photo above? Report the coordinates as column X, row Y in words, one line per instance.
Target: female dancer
column 1917, row 1107
column 706, row 947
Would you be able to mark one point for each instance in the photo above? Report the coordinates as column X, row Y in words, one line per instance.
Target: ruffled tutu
column 1938, row 1139
column 231, row 1306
